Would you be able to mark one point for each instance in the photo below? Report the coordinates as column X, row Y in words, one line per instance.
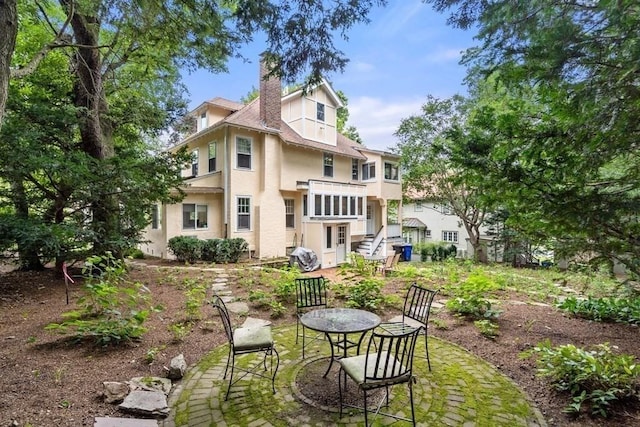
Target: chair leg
column 273, row 378
column 297, row 326
column 426, row 347
column 366, row 411
column 340, row 388
column 413, row 415
column 233, row 359
column 228, row 360
column 304, row 336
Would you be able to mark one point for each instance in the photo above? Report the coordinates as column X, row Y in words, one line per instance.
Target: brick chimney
column 270, row 97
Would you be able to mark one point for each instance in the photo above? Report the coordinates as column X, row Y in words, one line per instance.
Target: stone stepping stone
column 151, row 403
column 237, row 307
column 123, row 422
column 219, row 289
column 252, row 321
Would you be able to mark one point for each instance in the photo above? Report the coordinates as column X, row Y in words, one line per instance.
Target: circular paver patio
column 461, row 390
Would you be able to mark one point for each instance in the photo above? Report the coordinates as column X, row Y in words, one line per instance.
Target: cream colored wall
column 299, row 112
column 202, row 145
column 156, row 242
column 271, row 240
column 302, row 165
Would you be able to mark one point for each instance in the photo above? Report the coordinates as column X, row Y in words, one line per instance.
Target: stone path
column 461, row 390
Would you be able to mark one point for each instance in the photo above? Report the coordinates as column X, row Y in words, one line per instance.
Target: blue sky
column 404, row 54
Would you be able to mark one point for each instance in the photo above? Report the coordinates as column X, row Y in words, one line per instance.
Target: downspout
column 227, row 171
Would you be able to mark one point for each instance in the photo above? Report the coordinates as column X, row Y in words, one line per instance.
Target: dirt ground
column 46, row 380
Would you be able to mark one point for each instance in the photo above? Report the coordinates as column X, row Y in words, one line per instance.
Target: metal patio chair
column 416, row 310
column 388, row 362
column 253, row 339
column 311, row 293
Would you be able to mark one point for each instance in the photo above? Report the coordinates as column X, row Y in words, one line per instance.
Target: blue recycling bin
column 406, row 252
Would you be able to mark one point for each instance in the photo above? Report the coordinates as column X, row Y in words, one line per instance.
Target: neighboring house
column 277, row 173
column 425, row 221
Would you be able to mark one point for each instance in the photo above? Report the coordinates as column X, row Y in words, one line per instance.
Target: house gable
column 313, row 115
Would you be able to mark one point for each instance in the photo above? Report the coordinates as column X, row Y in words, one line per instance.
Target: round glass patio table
column 337, row 324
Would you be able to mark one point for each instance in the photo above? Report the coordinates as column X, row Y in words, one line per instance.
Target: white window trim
column 325, row 156
column 367, row 165
column 248, row 138
column 196, row 218
column 238, row 229
column 454, row 235
column 292, row 212
column 384, row 171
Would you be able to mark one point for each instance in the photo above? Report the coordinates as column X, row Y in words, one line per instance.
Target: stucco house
column 277, row 173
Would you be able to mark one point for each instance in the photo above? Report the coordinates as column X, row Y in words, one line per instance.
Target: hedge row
column 221, row 251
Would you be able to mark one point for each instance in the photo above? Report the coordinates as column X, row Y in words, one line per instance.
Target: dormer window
column 320, row 112
column 203, row 120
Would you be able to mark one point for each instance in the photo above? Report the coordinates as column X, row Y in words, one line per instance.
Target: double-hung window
column 212, row 157
column 244, row 213
column 354, row 170
column 450, row 236
column 320, row 112
column 194, row 217
column 243, row 153
column 368, row 171
column 290, row 216
column 156, row 220
column 328, row 165
column 194, row 163
column 390, row 171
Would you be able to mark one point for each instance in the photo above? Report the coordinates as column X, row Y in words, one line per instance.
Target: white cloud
column 444, row 55
column 397, row 17
column 377, row 119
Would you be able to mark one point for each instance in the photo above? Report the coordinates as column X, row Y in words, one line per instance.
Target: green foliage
column 596, row 377
column 185, row 248
column 277, row 309
column 487, row 328
column 222, row 251
column 113, row 311
column 471, row 297
column 180, row 330
column 259, row 298
column 366, row 294
column 357, row 265
column 284, row 286
column 541, row 141
column 437, row 251
column 621, row 310
column 196, row 295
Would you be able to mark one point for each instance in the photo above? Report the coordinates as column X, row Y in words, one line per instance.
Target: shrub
column 596, row 377
column 186, row 248
column 438, row 251
column 470, row 297
column 487, row 328
column 621, row 310
column 236, row 247
column 366, row 294
column 112, row 310
column 210, row 250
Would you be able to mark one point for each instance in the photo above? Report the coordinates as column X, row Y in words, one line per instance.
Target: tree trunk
column 28, row 255
column 95, row 129
column 8, row 34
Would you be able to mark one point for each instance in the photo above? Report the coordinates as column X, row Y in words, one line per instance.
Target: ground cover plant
column 49, row 380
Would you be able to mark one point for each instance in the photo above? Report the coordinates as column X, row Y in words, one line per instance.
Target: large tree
column 427, row 143
column 124, row 63
column 563, row 150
